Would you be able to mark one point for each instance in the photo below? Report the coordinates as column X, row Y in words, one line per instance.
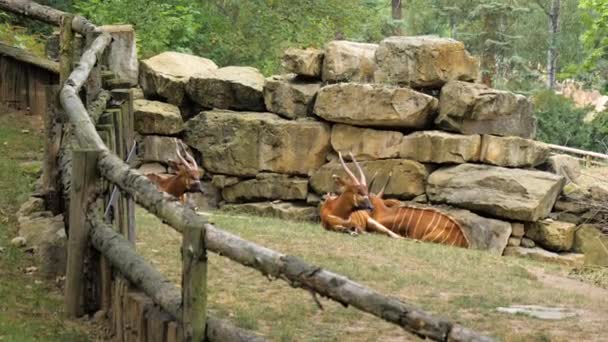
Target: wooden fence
column 104, row 272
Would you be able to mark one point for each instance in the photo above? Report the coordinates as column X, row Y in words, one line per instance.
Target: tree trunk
column 397, row 14
column 552, row 52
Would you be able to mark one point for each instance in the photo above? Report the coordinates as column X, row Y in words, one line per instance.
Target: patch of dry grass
column 464, row 285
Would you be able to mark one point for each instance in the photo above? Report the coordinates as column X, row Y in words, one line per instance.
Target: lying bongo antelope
column 187, row 178
column 347, row 212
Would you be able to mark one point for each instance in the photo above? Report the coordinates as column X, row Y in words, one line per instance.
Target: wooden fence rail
column 189, row 306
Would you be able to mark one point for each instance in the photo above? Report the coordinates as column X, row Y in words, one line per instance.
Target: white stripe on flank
column 435, row 225
column 447, row 236
column 418, row 222
column 409, row 220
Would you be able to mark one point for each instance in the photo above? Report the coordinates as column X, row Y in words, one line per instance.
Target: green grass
column 30, row 309
column 464, row 285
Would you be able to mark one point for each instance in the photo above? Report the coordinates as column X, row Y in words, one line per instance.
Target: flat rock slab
column 305, row 62
column 246, row 143
column 290, row 96
column 553, row 235
column 167, row 74
column 233, row 87
column 161, row 149
column 540, row 312
column 440, row 147
column 513, row 151
column 472, row 108
column 588, row 239
column 513, row 194
column 407, row 181
column 375, row 105
column 539, row 254
column 366, row 143
column 346, row 61
column 563, row 165
column 424, row 61
column 282, row 210
column 154, row 117
column 267, row 186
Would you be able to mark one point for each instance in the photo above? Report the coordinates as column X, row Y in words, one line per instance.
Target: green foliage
column 560, row 122
column 20, row 38
column 595, row 40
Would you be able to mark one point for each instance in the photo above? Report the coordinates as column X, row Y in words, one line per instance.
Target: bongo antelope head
column 353, row 191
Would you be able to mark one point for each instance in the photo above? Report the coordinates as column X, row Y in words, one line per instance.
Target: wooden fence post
column 85, row 177
column 66, row 48
column 194, row 284
column 53, row 129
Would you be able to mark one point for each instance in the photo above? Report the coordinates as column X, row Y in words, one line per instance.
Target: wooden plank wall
column 22, row 85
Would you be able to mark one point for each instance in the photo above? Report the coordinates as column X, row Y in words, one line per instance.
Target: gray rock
column 346, row 61
column 514, row 242
column 149, row 168
column 52, row 255
column 513, row 194
column 440, row 147
column 153, row 117
column 563, row 165
column 32, row 205
column 159, row 149
column 19, row 241
column 375, row 105
column 517, row 229
column 512, row 151
column 267, row 187
column 365, row 143
column 424, row 61
column 233, row 87
column 305, row 62
column 527, row 243
column 408, row 179
column 289, row 96
column 539, row 254
column 553, row 235
column 209, row 199
column 590, row 241
column 282, row 210
column 472, row 108
column 540, row 312
column 245, row 143
column 167, row 74
column 40, row 227
column 222, row 181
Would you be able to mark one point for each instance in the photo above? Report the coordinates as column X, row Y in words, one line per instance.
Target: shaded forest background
column 524, row 45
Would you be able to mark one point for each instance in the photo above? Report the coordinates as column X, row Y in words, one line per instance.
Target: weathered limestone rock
column 472, row 108
column 244, row 144
column 375, row 105
column 483, row 233
column 553, row 235
column 346, row 61
column 32, row 205
column 149, row 168
column 571, row 205
column 209, row 199
column 166, row 74
column 518, row 229
column 539, row 254
column 52, row 255
column 305, row 62
column 590, row 241
column 566, row 217
column 512, row 151
column 440, row 147
column 282, row 210
column 514, row 242
column 599, row 192
column 39, row 227
column 527, row 243
column 159, row 149
column 267, row 186
column 313, row 199
column 563, row 165
column 365, row 143
column 138, row 94
column 222, row 181
column 153, row 117
column 424, row 61
column 513, row 194
column 407, row 181
column 233, row 87
column 289, row 96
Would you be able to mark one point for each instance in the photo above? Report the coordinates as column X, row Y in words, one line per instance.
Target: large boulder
column 167, row 74
column 346, row 61
column 365, row 143
column 246, row 143
column 590, row 241
column 482, row 233
column 553, row 235
column 209, row 199
column 305, row 62
column 539, row 254
column 407, row 181
column 267, row 186
column 513, row 194
column 564, row 165
column 233, row 87
column 282, row 210
column 159, row 149
column 472, row 108
column 512, row 151
column 154, row 117
column 289, row 96
column 375, row 105
column 440, row 147
column 39, row 227
column 424, row 61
